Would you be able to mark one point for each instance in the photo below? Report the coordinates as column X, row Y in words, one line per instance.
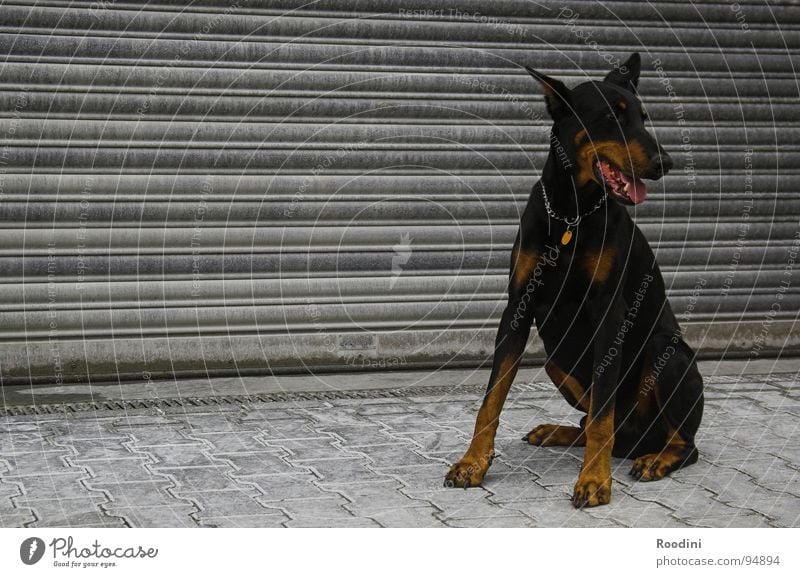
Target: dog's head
column 600, row 134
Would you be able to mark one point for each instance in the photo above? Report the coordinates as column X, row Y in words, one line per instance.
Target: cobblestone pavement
column 378, row 459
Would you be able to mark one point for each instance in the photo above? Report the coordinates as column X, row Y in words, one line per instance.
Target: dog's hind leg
column 679, row 394
column 557, row 436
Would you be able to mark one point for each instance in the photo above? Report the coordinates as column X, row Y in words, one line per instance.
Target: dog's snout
column 660, row 165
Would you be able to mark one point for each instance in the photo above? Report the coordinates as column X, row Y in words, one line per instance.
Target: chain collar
column 570, row 222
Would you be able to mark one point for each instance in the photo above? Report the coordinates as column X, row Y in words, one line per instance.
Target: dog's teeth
column 625, row 188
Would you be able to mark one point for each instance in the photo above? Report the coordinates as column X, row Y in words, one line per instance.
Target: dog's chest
column 567, row 273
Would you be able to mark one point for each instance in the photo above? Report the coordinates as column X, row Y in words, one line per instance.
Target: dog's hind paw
column 656, row 466
column 555, row 435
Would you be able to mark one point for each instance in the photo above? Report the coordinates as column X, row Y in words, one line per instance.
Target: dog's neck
column 566, row 198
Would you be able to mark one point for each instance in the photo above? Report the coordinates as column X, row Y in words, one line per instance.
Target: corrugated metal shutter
column 219, row 187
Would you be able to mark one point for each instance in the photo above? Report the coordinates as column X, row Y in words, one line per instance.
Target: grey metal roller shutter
column 290, row 185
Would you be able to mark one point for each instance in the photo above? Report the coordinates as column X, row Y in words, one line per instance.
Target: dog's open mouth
column 624, row 189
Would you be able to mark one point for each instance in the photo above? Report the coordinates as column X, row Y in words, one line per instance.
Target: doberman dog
column 583, row 270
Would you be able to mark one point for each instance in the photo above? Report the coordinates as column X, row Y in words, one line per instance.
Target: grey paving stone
column 77, row 512
column 223, row 503
column 214, row 422
column 728, row 521
column 135, row 494
column 84, row 429
column 408, row 424
column 230, row 442
column 316, row 522
column 21, row 426
column 67, row 485
column 380, row 411
column 329, row 508
column 211, row 478
column 134, row 421
column 270, row 521
column 151, row 436
column 516, row 487
column 36, row 464
column 461, row 504
column 348, row 435
column 28, row 443
column 628, row 512
column 186, row 455
column 783, row 510
column 258, row 463
column 119, row 470
column 277, row 488
column 559, row 514
column 300, row 450
column 101, row 449
column 440, row 444
column 284, row 429
column 369, row 499
column 394, row 455
column 16, row 518
column 346, row 470
column 506, row 521
column 424, row 477
column 160, row 516
column 407, row 517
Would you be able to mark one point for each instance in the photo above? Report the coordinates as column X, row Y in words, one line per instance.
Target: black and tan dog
column 583, row 270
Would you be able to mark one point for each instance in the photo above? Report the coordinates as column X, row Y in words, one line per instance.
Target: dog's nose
column 660, row 165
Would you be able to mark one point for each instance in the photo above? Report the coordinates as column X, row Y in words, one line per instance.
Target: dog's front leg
column 512, row 336
column 594, row 482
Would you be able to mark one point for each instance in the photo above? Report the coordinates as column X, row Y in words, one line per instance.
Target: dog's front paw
column 591, row 490
column 468, row 472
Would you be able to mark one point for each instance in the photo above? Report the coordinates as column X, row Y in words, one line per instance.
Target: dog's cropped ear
column 626, row 75
column 556, row 95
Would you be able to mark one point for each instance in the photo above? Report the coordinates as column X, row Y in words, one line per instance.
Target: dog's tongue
column 637, row 190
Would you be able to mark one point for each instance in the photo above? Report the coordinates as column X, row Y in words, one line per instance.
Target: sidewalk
column 372, row 450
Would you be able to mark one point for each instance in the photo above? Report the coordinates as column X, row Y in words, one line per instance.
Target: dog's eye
column 613, row 116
